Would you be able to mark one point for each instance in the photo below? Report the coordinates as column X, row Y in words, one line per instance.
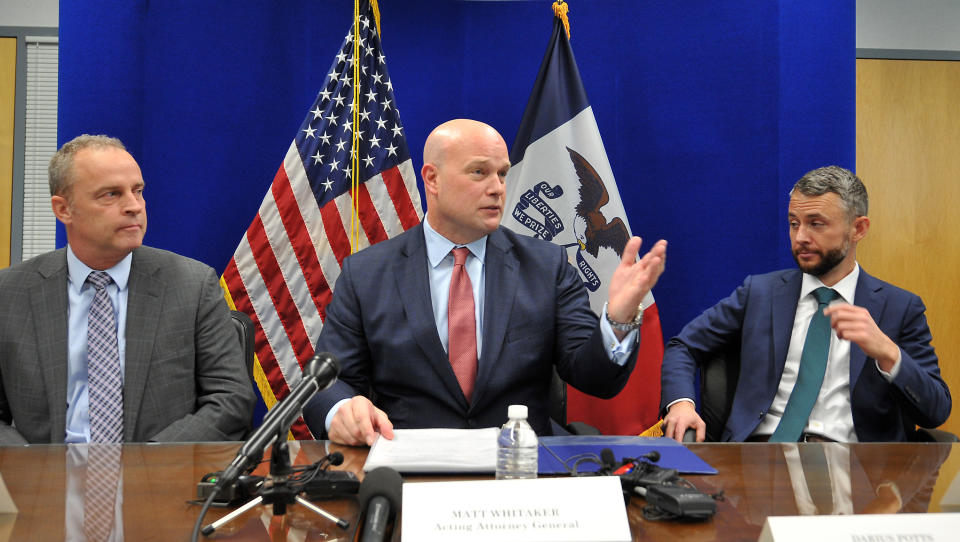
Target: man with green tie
column 827, row 352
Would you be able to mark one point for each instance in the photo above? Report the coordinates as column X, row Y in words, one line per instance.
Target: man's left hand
column 633, row 278
column 855, row 324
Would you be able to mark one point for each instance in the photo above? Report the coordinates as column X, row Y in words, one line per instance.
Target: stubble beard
column 828, row 260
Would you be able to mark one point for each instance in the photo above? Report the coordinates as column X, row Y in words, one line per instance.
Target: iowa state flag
column 561, row 189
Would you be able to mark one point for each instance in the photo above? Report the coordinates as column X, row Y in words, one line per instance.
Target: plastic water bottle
column 516, row 446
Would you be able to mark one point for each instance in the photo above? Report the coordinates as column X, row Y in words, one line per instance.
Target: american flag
column 283, row 270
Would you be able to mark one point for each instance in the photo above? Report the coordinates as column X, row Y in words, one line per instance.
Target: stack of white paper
column 436, row 450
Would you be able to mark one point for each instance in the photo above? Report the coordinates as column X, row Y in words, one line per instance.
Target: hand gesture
column 854, row 324
column 633, row 278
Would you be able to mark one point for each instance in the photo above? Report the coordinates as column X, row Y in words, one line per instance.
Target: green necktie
column 813, row 363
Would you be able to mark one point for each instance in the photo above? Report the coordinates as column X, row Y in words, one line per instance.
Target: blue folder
column 559, row 454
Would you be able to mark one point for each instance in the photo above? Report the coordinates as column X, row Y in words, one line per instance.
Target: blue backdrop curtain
column 709, row 110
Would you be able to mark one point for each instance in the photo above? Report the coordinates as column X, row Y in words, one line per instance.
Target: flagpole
column 354, row 153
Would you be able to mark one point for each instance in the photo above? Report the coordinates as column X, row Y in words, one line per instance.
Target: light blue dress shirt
column 440, row 271
column 79, row 298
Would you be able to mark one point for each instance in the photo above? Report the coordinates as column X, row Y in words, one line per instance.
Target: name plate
column 863, row 528
column 584, row 509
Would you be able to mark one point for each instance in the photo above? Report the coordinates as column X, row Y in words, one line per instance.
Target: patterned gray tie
column 103, row 365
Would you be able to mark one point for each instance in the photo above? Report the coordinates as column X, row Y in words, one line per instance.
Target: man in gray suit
column 175, row 369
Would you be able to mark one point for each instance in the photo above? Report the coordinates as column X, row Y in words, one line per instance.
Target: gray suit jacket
column 185, row 379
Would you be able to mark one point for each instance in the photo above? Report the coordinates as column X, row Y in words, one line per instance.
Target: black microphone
column 652, row 456
column 380, row 495
column 336, row 458
column 319, row 373
column 608, row 461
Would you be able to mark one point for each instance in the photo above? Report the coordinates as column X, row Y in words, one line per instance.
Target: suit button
column 471, row 423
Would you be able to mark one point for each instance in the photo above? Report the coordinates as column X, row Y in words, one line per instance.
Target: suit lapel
column 783, row 313
column 144, row 300
column 413, row 287
column 500, row 286
column 867, row 296
column 49, row 305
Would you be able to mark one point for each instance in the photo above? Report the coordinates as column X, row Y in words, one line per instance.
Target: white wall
column 45, row 13
column 908, row 24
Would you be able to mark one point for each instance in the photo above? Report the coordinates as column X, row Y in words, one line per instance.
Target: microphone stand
column 277, row 489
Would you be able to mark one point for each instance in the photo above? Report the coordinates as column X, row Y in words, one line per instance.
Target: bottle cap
column 517, row 411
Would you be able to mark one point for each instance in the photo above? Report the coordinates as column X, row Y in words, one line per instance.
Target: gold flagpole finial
column 560, row 10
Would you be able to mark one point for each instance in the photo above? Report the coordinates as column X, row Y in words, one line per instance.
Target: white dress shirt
column 831, row 416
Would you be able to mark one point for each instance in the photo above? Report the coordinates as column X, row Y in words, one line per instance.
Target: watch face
column 639, row 318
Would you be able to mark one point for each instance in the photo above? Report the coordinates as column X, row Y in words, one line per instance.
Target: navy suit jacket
column 756, row 321
column 381, row 326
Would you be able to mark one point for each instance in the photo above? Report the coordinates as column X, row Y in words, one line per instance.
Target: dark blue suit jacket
column 380, row 324
column 756, row 321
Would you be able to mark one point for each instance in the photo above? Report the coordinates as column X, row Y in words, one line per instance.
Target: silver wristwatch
column 625, row 327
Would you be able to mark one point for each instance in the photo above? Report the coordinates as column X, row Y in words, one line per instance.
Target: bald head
column 465, row 164
column 457, row 133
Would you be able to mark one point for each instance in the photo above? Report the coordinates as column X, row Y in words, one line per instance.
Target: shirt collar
column 78, row 271
column 846, row 287
column 439, row 246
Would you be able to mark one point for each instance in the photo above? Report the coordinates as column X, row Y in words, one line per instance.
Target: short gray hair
column 61, row 164
column 841, row 182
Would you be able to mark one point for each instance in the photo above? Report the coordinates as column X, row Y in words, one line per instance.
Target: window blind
column 40, row 142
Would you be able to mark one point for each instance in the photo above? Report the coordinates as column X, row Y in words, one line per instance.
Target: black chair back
column 558, row 399
column 558, row 410
column 243, row 325
column 718, row 384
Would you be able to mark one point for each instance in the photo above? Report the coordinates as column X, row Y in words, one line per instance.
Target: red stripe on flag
column 265, row 355
column 268, row 362
column 336, row 234
column 299, row 237
column 279, row 293
column 401, row 198
column 300, row 430
column 369, row 217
